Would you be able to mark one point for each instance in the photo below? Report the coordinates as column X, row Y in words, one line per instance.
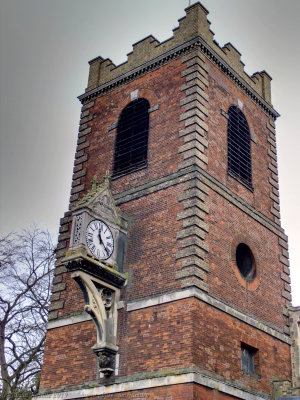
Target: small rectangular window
column 247, row 359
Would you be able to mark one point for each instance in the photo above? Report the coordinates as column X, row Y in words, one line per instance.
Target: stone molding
column 283, row 390
column 220, row 305
column 194, row 172
column 178, row 51
column 175, row 296
column 142, row 384
column 76, row 319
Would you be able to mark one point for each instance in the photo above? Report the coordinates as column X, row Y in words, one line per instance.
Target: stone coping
column 144, row 384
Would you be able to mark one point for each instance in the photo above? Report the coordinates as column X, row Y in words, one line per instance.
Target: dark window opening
column 239, row 152
column 248, row 355
column 245, row 261
column 132, row 138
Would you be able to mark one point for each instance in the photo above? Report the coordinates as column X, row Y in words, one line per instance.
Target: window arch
column 239, row 149
column 131, row 146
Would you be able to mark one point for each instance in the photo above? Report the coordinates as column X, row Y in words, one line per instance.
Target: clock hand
column 106, row 250
column 102, row 243
column 99, row 237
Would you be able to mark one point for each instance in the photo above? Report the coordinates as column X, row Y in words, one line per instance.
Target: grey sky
column 45, row 46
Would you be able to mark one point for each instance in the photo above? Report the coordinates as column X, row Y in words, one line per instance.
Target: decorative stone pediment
column 100, row 203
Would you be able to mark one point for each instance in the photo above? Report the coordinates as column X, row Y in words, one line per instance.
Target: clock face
column 99, row 239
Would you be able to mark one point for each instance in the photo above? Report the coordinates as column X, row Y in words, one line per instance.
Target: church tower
column 172, row 273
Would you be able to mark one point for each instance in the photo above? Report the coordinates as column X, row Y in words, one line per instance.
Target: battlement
column 194, row 25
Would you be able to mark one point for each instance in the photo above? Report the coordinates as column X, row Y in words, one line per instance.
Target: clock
column 99, row 239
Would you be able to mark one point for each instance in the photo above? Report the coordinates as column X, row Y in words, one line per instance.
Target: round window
column 245, row 261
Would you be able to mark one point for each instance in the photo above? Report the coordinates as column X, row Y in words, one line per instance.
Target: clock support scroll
column 95, row 259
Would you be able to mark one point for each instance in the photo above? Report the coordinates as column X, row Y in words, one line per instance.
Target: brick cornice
column 170, row 55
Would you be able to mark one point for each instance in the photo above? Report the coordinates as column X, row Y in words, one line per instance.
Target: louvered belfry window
column 132, row 137
column 239, row 151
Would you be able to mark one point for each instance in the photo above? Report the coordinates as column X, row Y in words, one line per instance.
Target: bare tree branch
column 26, row 266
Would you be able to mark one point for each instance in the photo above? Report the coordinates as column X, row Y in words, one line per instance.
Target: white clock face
column 99, row 239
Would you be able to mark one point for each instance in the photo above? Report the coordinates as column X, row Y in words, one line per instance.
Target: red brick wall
column 218, row 338
column 171, row 336
column 152, row 219
column 160, row 87
column 230, row 226
column 68, row 357
column 152, row 244
column 150, row 260
column 204, row 393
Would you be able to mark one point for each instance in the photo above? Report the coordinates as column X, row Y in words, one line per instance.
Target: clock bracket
column 101, row 287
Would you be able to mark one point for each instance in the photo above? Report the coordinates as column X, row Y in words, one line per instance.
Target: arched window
column 132, row 137
column 239, row 152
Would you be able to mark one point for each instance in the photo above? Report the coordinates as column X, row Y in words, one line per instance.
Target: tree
column 26, row 266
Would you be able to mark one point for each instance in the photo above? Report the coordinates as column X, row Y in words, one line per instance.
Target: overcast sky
column 45, row 46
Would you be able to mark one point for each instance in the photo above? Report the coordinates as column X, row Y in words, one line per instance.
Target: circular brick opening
column 245, row 261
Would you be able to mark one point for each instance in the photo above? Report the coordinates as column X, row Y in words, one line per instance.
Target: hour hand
column 99, row 237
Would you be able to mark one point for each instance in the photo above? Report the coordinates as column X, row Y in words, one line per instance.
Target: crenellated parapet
column 194, row 26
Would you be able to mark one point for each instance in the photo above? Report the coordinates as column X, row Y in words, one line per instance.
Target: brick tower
column 172, row 276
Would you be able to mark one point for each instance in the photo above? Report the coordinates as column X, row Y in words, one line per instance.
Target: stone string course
column 184, row 378
column 176, row 296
